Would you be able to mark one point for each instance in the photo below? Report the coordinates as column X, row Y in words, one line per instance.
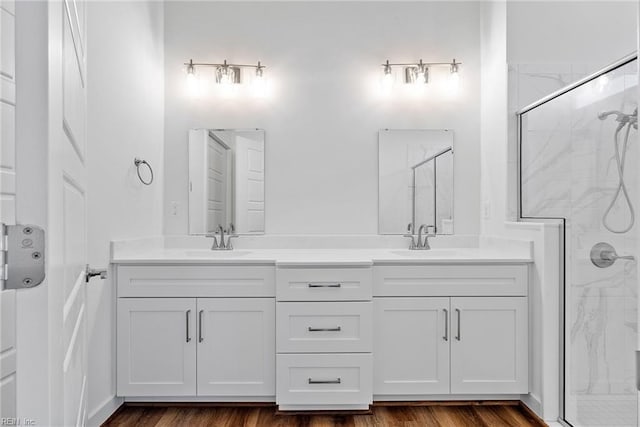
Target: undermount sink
column 217, row 254
column 425, row 253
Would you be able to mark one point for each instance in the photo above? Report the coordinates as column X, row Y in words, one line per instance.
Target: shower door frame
column 611, row 67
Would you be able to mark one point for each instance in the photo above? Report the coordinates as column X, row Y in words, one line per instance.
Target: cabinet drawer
column 324, row 379
column 323, row 284
column 196, row 281
column 450, row 280
column 320, row 327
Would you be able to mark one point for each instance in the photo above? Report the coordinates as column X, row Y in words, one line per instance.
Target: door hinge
column 22, row 250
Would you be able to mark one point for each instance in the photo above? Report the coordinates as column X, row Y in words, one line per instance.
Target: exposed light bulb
column 259, row 83
column 454, row 78
column 421, row 74
column 193, row 83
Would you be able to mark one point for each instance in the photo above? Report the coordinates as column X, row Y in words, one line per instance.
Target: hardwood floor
column 436, row 415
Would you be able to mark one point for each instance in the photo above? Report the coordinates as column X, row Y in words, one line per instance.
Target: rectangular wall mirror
column 415, row 180
column 226, row 180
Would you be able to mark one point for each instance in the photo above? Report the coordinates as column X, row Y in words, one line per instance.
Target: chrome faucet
column 221, row 231
column 232, row 233
column 424, row 245
column 409, row 234
column 220, row 244
column 214, row 236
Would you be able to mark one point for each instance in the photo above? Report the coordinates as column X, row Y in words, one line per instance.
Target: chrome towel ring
column 139, row 162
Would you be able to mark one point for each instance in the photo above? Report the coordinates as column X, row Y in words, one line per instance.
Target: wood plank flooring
column 436, row 415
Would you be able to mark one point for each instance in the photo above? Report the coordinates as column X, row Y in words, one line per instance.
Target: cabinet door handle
column 458, row 313
column 188, row 315
column 336, row 329
column 446, row 324
column 325, row 285
column 200, row 337
column 336, row 381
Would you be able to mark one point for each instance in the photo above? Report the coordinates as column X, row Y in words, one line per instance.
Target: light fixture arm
column 421, row 64
column 224, row 64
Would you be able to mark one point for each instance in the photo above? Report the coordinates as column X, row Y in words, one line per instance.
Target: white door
column 411, row 346
column 67, row 194
column 489, row 349
column 249, row 183
column 217, row 185
column 8, row 354
column 156, row 347
column 236, row 347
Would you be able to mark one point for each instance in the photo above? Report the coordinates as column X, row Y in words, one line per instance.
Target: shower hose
column 622, row 186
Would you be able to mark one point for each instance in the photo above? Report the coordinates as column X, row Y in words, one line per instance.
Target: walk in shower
column 578, row 163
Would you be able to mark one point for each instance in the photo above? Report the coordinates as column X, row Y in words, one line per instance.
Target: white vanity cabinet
column 156, row 347
column 411, row 346
column 472, row 342
column 236, row 347
column 489, row 345
column 192, row 341
column 324, row 338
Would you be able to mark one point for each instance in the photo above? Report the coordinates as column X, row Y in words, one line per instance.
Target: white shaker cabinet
column 196, row 331
column 489, row 349
column 458, row 345
column 236, row 347
column 156, row 347
column 411, row 346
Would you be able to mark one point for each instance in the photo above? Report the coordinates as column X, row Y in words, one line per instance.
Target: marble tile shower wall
column 569, row 171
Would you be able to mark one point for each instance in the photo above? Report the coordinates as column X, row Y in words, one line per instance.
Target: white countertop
column 318, row 257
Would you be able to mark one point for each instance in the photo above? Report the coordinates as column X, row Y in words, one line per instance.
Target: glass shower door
column 578, row 163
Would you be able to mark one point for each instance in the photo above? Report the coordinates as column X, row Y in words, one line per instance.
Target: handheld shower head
column 621, row 117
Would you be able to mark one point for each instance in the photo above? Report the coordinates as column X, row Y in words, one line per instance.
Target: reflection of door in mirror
column 226, row 180
column 249, row 180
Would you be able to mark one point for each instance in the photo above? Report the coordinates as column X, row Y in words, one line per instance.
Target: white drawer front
column 450, row 280
column 196, row 281
column 320, row 284
column 324, row 379
column 321, row 327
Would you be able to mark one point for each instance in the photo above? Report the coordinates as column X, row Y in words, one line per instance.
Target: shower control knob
column 604, row 255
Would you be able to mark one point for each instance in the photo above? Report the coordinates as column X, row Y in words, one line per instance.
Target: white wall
column 322, row 118
column 125, row 120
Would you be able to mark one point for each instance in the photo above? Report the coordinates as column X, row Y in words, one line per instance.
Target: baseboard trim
column 534, row 417
column 177, row 404
column 447, row 403
column 105, row 412
column 533, row 404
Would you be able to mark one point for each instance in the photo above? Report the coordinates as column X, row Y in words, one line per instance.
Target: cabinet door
column 236, row 347
column 156, row 347
column 411, row 346
column 489, row 348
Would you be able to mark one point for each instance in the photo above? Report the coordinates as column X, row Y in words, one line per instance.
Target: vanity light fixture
column 226, row 74
column 418, row 72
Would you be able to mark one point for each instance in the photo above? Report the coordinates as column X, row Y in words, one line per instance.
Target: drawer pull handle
column 458, row 336
column 336, row 329
column 446, row 324
column 188, row 315
column 200, row 336
column 336, row 381
column 325, row 285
